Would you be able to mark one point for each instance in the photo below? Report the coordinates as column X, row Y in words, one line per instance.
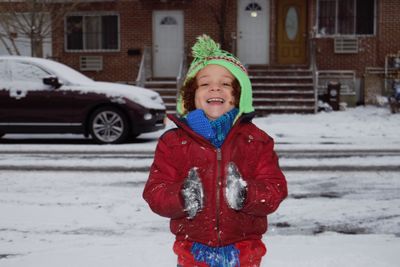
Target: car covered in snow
column 43, row 96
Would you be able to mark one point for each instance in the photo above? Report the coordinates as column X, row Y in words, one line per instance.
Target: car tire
column 108, row 125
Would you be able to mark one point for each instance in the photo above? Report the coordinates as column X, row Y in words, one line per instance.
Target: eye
column 203, row 84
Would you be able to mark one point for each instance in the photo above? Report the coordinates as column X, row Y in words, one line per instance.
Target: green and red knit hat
column 206, row 52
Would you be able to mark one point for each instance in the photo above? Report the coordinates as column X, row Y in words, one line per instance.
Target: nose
column 215, row 87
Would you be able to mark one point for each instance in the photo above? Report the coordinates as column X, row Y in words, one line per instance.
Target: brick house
column 310, row 42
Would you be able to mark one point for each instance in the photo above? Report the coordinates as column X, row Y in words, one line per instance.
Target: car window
column 27, row 72
column 4, row 74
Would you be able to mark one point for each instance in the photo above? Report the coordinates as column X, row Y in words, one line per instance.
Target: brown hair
column 188, row 92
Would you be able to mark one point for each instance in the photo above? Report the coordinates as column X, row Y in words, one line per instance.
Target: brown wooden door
column 292, row 33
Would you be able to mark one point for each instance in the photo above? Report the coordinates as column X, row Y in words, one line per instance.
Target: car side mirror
column 53, row 81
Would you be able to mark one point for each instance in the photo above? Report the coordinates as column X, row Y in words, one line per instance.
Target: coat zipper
column 219, row 158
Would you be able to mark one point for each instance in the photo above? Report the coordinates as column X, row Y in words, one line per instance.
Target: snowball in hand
column 236, row 187
column 192, row 193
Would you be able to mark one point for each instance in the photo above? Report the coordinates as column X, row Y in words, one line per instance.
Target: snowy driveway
column 99, row 219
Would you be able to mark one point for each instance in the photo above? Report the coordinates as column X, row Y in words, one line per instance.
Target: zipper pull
column 219, row 154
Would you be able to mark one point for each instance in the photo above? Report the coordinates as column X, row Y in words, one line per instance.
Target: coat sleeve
column 162, row 190
column 268, row 188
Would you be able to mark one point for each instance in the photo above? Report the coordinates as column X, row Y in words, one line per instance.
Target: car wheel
column 108, row 126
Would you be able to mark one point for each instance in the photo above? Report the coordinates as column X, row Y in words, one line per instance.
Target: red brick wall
column 136, row 32
column 389, row 26
column 373, row 49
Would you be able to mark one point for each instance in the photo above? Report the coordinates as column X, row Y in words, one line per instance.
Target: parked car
column 43, row 96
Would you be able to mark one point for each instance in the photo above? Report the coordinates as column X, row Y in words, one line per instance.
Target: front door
column 253, row 31
column 292, row 34
column 167, row 43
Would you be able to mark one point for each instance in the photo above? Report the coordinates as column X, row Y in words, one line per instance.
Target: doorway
column 253, row 31
column 292, row 33
column 167, row 43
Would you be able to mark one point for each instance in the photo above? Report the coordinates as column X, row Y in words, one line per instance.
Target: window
column 26, row 72
column 346, row 17
column 92, row 32
column 169, row 21
column 4, row 75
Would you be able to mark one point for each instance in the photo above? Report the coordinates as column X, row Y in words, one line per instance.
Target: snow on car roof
column 69, row 76
column 62, row 71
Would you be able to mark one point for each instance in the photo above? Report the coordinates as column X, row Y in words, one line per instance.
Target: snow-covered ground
column 331, row 218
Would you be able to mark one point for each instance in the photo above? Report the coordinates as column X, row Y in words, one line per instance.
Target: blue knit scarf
column 227, row 256
column 213, row 130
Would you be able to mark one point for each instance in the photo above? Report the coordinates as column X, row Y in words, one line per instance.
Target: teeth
column 215, row 100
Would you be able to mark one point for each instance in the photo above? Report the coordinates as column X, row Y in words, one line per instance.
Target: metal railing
column 313, row 67
column 145, row 71
column 346, row 78
column 181, row 72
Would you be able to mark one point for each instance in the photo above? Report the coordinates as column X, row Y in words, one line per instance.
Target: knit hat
column 206, row 52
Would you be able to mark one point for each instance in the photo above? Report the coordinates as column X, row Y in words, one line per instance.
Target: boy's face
column 214, row 93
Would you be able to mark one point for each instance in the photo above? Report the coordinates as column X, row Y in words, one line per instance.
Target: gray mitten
column 236, row 187
column 192, row 193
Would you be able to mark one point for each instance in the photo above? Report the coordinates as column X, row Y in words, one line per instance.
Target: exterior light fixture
column 254, row 8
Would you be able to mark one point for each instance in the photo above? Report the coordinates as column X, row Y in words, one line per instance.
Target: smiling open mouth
column 216, row 100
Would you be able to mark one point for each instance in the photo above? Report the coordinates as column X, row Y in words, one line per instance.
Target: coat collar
column 181, row 123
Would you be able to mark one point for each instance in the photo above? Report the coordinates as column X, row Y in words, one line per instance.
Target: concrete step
column 276, row 90
column 274, row 100
column 166, row 87
column 306, row 76
column 169, row 97
column 285, row 92
column 166, row 92
column 276, row 72
column 266, row 110
column 283, row 84
column 279, row 79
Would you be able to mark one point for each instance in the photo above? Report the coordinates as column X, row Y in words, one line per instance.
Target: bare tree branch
column 34, row 20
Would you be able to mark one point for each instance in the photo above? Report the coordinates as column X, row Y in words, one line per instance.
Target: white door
column 167, row 43
column 253, row 31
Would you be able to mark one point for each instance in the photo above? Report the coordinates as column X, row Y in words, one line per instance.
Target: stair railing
column 182, row 72
column 313, row 67
column 145, row 71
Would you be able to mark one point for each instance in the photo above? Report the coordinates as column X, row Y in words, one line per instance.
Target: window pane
column 326, row 17
column 22, row 71
column 110, row 32
column 3, row 74
column 365, row 17
column 92, row 32
column 74, row 32
column 346, row 17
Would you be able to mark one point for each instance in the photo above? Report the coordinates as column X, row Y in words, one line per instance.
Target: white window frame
column 88, row 14
column 336, row 34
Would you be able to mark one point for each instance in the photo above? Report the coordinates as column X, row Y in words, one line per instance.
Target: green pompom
column 205, row 47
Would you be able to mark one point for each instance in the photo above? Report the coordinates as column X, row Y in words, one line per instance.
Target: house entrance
column 167, row 43
column 253, row 31
column 292, row 34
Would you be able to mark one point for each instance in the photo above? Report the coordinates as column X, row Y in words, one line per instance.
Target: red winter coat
column 181, row 149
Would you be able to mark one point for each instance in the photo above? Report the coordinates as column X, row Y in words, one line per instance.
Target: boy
column 216, row 176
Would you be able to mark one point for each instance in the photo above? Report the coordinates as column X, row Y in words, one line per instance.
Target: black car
column 43, row 96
